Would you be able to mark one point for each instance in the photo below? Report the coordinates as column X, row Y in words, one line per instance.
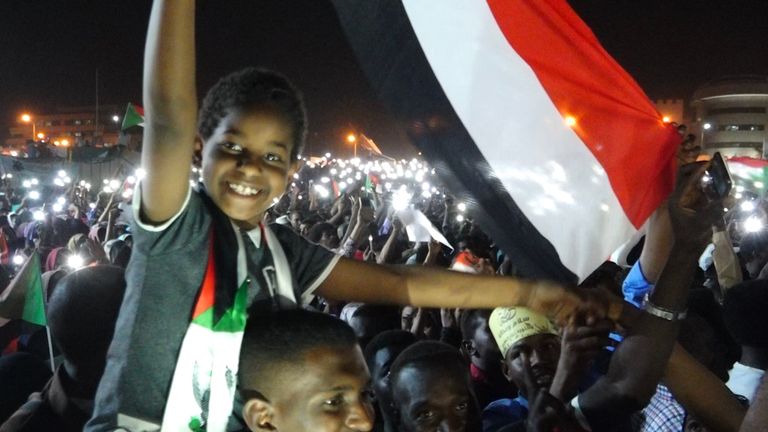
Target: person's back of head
column 82, row 312
column 432, row 389
column 302, row 370
column 745, row 311
column 704, row 335
column 20, row 374
column 369, row 320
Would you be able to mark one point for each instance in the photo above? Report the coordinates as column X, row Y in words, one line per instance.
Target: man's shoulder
column 506, row 405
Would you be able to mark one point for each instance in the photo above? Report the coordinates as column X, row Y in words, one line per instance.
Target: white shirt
column 744, row 380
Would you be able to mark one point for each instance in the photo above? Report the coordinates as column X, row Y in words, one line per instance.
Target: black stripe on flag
column 389, row 53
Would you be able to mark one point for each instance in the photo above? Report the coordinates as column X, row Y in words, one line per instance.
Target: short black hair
column 469, row 320
column 753, row 244
column 316, row 232
column 429, row 354
column 745, row 310
column 83, row 310
column 251, row 87
column 273, row 340
column 385, row 339
column 378, row 319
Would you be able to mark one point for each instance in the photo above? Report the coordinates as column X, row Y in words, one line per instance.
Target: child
column 201, row 257
column 302, row 370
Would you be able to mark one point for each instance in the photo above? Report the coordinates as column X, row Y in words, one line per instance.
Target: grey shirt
column 163, row 279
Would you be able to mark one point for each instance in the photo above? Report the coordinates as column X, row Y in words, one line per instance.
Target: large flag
column 23, row 297
column 560, row 154
column 368, row 144
column 134, row 116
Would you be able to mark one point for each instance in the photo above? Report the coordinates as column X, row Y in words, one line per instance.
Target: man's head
column 380, row 353
column 303, row 371
column 753, row 249
column 369, row 320
column 432, row 390
column 252, row 126
column 523, row 331
column 324, row 234
column 478, row 344
column 82, row 312
column 744, row 312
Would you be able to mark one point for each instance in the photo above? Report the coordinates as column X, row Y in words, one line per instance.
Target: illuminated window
column 737, row 110
column 740, row 127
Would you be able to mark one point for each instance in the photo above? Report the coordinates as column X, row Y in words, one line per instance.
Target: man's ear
column 505, row 370
column 197, row 156
column 468, row 348
column 259, row 415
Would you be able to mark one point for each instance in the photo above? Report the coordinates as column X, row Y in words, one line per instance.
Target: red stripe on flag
column 748, row 161
column 614, row 118
column 207, row 293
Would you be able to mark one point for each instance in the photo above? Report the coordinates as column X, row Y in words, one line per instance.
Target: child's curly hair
column 252, row 87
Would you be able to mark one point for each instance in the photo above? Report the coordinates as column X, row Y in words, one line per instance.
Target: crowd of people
column 233, row 284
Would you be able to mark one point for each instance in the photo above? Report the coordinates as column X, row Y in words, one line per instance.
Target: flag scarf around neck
column 486, row 90
column 23, row 298
column 205, row 378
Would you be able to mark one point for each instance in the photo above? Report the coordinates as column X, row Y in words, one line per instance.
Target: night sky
column 50, row 51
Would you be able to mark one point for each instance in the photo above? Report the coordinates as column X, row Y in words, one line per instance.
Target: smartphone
column 717, row 181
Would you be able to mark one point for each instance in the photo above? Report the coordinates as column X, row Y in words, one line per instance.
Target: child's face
column 247, row 162
column 330, row 392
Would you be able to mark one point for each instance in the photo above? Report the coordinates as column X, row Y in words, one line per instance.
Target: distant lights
column 75, row 261
column 747, row 206
column 570, row 121
column 753, row 224
column 707, row 126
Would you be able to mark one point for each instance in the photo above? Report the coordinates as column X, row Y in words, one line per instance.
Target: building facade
column 77, row 126
column 731, row 115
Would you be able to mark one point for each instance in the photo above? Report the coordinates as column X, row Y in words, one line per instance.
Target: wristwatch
column 660, row 312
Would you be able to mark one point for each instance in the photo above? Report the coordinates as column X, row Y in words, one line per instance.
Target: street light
column 26, row 118
column 40, row 135
column 115, row 118
column 704, row 127
column 352, row 139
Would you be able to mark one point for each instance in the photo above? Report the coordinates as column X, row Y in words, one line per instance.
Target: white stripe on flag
column 552, row 176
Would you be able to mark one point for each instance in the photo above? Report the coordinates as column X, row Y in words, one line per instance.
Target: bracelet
column 660, row 312
column 579, row 414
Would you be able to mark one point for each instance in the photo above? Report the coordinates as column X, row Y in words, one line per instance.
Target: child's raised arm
column 170, row 103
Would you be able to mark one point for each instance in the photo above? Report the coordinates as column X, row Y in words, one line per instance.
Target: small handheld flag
column 134, row 116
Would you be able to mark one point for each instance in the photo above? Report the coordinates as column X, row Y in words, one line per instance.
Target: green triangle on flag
column 134, row 116
column 23, row 297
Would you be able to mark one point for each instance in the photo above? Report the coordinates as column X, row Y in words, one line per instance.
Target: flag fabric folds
column 368, row 144
column 23, row 298
column 559, row 153
column 134, row 116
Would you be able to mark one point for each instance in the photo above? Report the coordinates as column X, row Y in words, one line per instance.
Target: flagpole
column 50, row 348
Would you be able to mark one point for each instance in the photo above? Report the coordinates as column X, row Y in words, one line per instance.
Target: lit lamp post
column 26, row 118
column 352, row 139
column 704, row 127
